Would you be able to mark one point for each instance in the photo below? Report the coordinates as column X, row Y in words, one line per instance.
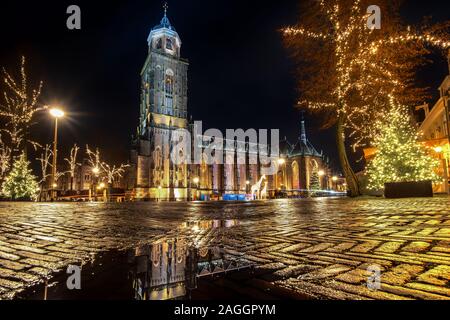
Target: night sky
column 239, row 75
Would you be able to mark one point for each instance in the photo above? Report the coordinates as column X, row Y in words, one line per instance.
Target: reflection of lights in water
column 209, row 224
column 180, row 266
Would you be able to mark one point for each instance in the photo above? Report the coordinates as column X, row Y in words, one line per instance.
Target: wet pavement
column 320, row 248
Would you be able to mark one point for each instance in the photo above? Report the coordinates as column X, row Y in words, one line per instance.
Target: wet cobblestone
column 319, row 248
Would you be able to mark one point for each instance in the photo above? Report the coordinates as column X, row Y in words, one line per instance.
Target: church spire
column 164, row 23
column 302, row 128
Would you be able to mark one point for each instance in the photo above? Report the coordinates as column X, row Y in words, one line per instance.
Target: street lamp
column 438, row 149
column 55, row 113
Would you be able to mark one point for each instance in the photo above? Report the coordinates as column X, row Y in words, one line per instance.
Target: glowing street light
column 438, row 149
column 196, row 180
column 55, row 113
column 321, row 173
column 281, row 161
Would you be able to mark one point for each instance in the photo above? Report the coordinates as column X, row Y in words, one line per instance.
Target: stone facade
column 163, row 112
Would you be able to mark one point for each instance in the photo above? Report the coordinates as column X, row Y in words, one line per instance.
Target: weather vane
column 165, row 6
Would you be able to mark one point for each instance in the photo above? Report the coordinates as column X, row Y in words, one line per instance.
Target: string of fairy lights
column 19, row 106
column 399, row 156
column 358, row 69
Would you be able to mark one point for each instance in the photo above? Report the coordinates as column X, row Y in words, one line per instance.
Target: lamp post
column 55, row 113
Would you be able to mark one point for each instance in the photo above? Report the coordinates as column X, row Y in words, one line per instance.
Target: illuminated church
column 163, row 110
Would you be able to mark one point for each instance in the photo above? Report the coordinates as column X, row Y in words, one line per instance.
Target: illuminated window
column 168, row 90
column 169, row 85
column 295, row 176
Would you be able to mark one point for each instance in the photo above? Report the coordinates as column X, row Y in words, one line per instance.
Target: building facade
column 435, row 131
column 163, row 114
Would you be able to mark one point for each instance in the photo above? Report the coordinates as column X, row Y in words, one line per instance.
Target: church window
column 168, row 88
column 295, row 176
column 169, row 45
column 157, row 158
column 159, row 43
column 169, row 85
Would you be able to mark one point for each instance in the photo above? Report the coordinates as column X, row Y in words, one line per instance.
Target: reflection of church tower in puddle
column 163, row 110
column 164, row 271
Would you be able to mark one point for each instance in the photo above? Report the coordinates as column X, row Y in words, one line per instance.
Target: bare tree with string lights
column 18, row 109
column 45, row 163
column 110, row 172
column 348, row 72
column 73, row 164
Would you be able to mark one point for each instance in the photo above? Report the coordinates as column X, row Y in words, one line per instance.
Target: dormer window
column 169, row 45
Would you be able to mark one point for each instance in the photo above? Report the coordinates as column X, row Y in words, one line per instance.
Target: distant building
column 85, row 182
column 302, row 167
column 163, row 110
column 435, row 130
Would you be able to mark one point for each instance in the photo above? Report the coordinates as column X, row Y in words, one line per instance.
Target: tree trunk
column 352, row 180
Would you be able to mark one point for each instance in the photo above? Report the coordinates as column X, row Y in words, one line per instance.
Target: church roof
column 164, row 24
column 303, row 147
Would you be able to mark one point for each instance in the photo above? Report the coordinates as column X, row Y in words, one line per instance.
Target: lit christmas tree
column 314, row 183
column 20, row 183
column 400, row 157
column 346, row 69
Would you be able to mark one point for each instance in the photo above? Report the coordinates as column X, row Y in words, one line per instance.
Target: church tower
column 163, row 109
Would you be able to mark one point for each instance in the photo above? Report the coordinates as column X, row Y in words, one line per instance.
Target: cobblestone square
column 320, row 248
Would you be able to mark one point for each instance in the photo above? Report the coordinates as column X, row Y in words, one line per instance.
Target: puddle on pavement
column 170, row 268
